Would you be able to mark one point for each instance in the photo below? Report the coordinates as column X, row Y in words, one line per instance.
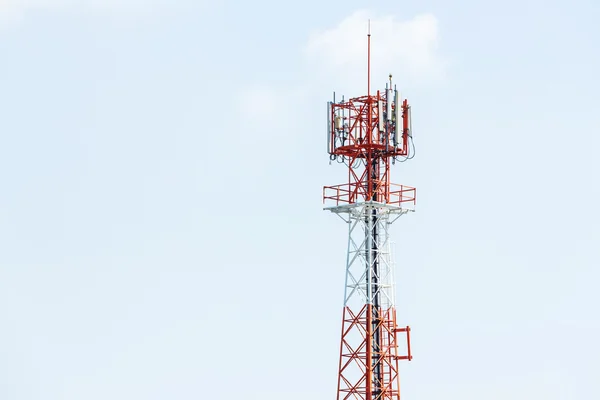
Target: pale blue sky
column 161, row 226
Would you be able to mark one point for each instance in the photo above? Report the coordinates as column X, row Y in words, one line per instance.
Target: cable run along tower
column 368, row 134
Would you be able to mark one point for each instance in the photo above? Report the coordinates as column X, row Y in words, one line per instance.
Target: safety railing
column 350, row 193
column 401, row 194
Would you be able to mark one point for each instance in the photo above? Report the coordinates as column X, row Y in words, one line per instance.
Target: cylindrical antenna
column 388, row 97
column 397, row 116
column 329, row 123
column 369, row 60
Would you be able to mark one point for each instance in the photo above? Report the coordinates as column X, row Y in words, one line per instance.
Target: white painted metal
column 360, row 264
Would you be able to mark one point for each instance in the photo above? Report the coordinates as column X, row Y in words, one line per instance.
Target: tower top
column 367, row 134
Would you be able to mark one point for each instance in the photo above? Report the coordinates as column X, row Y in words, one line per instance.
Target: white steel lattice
column 361, row 259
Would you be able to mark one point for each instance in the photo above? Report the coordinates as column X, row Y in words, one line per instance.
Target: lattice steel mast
column 367, row 134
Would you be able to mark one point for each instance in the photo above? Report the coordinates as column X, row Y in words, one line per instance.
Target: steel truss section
column 368, row 365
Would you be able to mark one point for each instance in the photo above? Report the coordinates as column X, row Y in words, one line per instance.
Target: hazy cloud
column 409, row 48
column 338, row 56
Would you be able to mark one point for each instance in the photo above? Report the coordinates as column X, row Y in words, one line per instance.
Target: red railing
column 350, row 193
column 402, row 194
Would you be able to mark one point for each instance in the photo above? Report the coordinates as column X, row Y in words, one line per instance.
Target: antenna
column 369, row 60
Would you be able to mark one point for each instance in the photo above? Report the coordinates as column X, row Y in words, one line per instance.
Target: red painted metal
column 353, row 192
column 367, row 148
column 355, row 372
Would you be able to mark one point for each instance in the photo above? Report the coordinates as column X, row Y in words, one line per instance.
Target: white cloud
column 408, row 49
column 337, row 58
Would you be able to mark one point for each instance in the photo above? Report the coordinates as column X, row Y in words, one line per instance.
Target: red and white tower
column 368, row 134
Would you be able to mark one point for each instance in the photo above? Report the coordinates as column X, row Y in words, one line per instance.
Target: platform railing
column 355, row 192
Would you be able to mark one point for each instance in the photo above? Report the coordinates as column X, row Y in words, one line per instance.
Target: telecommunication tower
column 368, row 134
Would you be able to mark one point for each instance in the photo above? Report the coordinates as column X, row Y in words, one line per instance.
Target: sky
column 162, row 233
